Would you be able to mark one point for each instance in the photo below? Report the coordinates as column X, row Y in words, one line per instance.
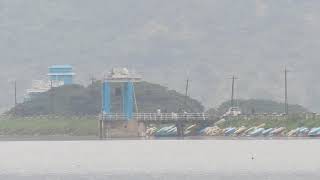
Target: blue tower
column 62, row 73
column 123, row 76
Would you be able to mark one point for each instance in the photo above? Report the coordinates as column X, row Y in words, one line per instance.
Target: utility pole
column 232, row 91
column 186, row 95
column 51, row 97
column 15, row 97
column 93, row 80
column 15, row 93
column 286, row 106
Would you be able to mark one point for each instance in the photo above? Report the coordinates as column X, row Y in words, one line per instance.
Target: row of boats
column 256, row 131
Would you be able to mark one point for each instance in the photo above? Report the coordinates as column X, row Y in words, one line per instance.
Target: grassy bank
column 48, row 125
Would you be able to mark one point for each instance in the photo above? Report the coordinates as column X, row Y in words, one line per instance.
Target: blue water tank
column 61, row 73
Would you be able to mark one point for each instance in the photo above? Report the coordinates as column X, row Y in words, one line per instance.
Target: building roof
column 60, row 66
column 62, row 74
column 122, row 75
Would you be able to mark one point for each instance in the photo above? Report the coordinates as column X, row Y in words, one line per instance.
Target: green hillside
column 79, row 100
column 258, row 106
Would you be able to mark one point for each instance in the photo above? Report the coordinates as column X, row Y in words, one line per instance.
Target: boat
column 314, row 132
column 239, row 131
column 203, row 131
column 230, row 131
column 164, row 131
column 303, row 131
column 256, row 132
column 261, row 125
column 191, row 130
column 266, row 132
column 293, row 132
column 249, row 130
column 211, row 131
column 172, row 132
column 277, row 131
column 151, row 131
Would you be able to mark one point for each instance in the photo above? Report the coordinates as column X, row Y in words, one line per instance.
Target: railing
column 158, row 116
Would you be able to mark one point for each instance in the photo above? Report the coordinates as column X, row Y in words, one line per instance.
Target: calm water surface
column 160, row 159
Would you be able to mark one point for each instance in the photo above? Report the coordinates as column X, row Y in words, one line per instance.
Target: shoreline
column 96, row 138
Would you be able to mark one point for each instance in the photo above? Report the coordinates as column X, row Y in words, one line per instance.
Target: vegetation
column 291, row 122
column 48, row 125
column 72, row 110
column 257, row 106
column 79, row 100
column 88, row 125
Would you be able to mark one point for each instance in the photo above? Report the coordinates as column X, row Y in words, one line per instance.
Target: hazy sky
column 166, row 41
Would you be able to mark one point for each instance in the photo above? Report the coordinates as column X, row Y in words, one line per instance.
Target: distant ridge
column 80, row 100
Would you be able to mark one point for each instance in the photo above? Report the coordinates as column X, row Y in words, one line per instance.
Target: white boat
column 256, row 132
column 249, row 130
column 266, row 132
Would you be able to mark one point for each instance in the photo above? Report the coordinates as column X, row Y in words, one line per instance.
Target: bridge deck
column 160, row 117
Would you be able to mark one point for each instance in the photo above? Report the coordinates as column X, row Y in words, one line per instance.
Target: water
column 160, row 159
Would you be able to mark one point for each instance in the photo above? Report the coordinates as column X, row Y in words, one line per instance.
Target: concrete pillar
column 100, row 129
column 180, row 129
column 128, row 100
column 141, row 129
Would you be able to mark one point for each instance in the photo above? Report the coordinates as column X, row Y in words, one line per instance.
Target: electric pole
column 15, row 93
column 286, row 106
column 15, row 97
column 51, row 98
column 232, row 90
column 93, row 80
column 186, row 95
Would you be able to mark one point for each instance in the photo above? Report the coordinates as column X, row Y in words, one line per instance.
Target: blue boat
column 303, row 131
column 202, row 131
column 230, row 131
column 314, row 132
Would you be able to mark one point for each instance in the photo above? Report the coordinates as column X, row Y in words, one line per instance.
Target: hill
column 79, row 100
column 258, row 106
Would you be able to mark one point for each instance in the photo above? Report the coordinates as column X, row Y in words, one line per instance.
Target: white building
column 41, row 86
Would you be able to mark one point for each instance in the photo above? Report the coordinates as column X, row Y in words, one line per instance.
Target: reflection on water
column 155, row 176
column 160, row 159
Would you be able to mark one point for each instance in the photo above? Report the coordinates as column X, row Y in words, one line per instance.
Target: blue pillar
column 124, row 97
column 128, row 99
column 106, row 106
